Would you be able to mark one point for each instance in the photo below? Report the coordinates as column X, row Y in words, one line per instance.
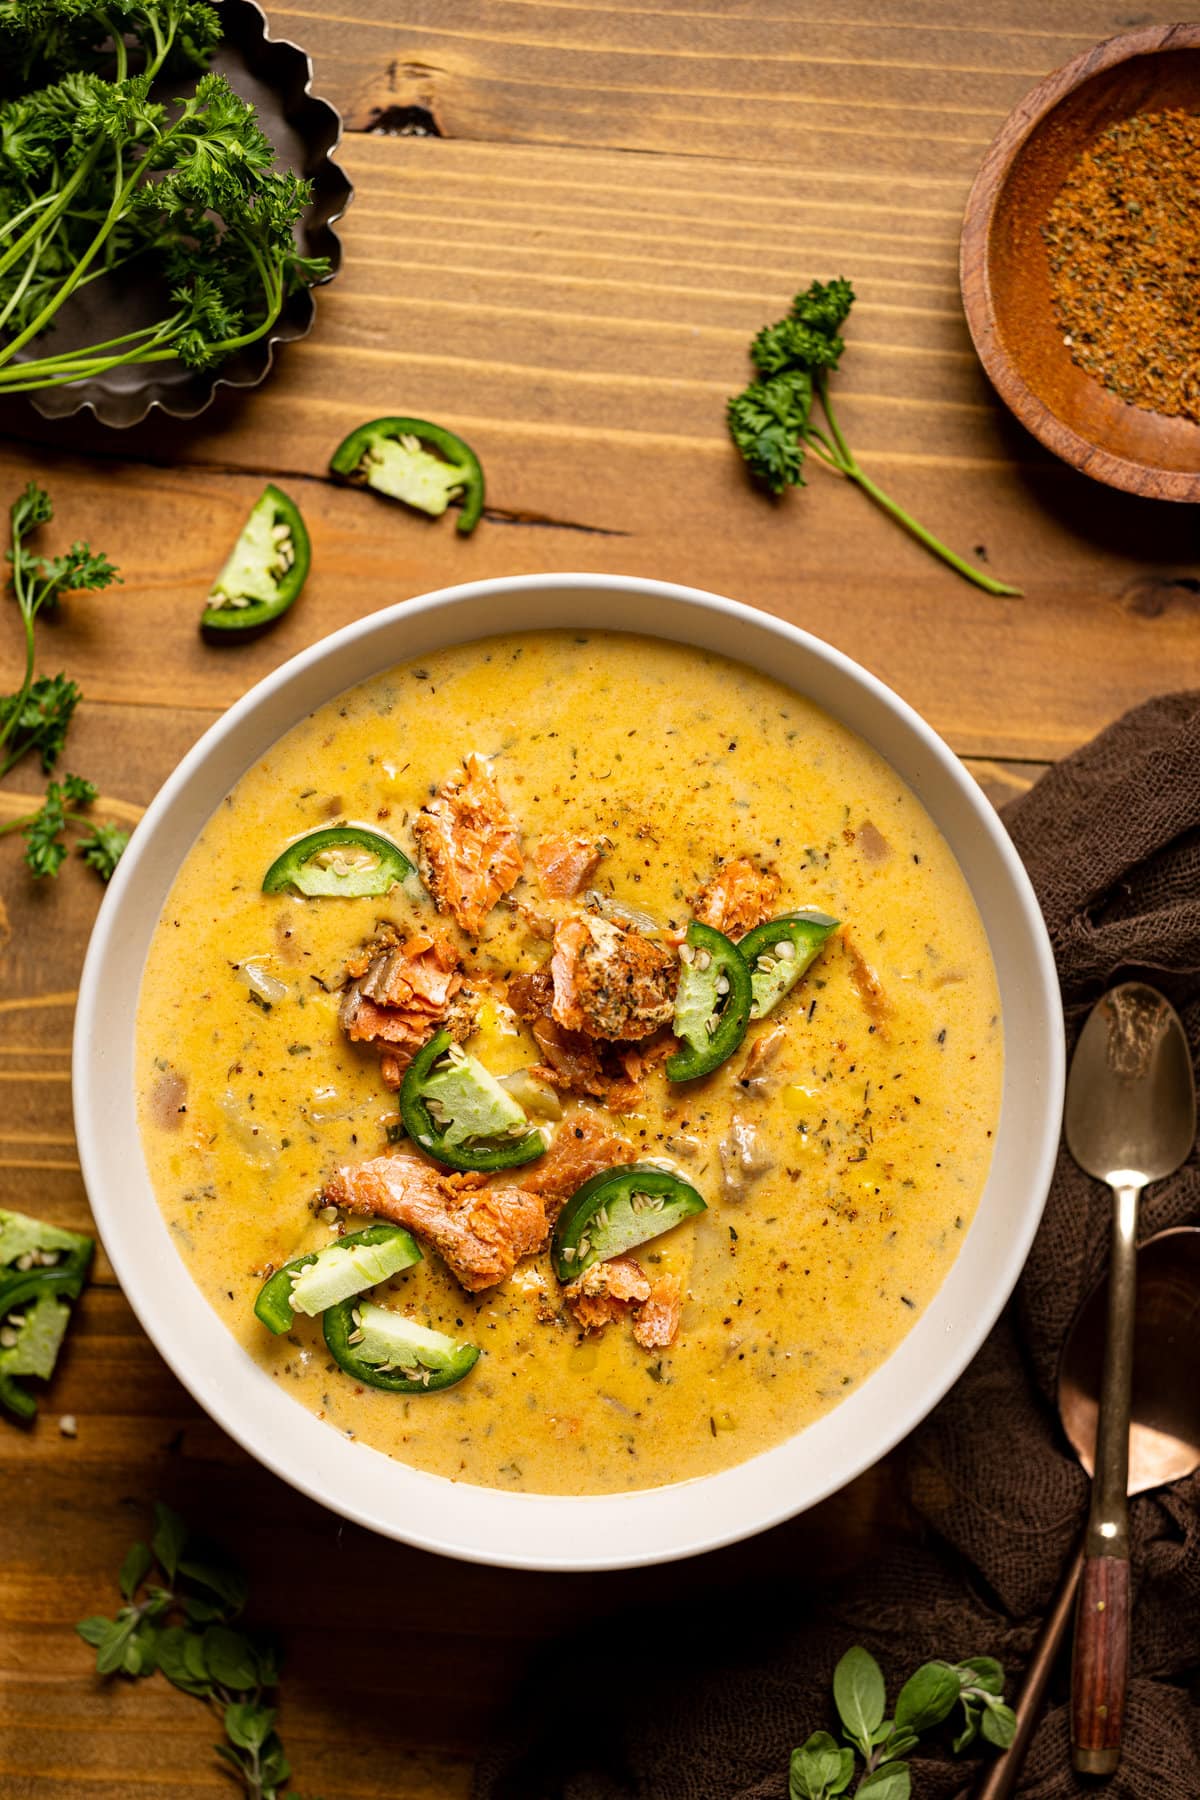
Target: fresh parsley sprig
column 772, row 424
column 36, row 718
column 94, row 173
column 822, row 1768
column 45, row 831
column 180, row 1600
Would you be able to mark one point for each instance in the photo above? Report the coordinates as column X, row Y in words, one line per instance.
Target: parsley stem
column 27, row 608
column 848, row 465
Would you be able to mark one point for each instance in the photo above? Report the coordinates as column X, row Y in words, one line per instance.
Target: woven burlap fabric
column 707, row 1704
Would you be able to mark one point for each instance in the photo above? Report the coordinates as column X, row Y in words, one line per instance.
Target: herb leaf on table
column 822, row 1769
column 772, row 425
column 166, row 1626
column 37, row 717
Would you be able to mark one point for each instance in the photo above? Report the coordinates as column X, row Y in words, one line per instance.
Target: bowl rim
column 1147, row 480
column 538, row 1531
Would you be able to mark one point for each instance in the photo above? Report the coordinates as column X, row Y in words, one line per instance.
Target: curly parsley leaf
column 771, row 421
column 39, row 721
column 102, row 848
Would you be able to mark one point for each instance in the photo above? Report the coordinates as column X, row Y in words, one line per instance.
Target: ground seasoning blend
column 1123, row 237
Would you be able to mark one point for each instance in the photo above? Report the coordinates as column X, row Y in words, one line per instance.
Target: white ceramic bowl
column 543, row 1531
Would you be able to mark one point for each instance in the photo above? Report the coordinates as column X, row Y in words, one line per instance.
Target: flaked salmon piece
column 565, row 865
column 656, row 1320
column 582, row 1146
column 468, row 848
column 609, row 981
column 605, row 1292
column 480, row 1231
column 866, row 981
column 738, row 897
column 401, row 991
column 575, row 1063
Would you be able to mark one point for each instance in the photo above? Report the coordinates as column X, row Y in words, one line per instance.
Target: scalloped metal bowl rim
column 533, row 1530
column 273, row 338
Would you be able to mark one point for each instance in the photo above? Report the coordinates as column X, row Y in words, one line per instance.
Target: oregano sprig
column 181, row 1597
column 822, row 1768
column 772, row 423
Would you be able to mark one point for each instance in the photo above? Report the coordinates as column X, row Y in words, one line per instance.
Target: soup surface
column 840, row 1173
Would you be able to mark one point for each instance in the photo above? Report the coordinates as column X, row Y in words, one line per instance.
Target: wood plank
column 490, row 288
column 806, row 81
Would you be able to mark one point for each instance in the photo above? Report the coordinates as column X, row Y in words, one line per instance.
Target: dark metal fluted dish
column 276, row 76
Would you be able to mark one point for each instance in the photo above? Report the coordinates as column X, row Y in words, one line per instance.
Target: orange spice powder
column 1123, row 237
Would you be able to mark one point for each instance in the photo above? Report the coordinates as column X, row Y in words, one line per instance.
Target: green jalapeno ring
column 351, row 461
column 602, row 1218
column 801, row 936
column 423, row 1129
column 291, row 867
column 711, row 1023
column 273, row 1305
column 258, row 583
column 399, row 1335
column 39, row 1340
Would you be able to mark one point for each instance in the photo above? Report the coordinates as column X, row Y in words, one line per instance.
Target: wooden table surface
column 610, row 199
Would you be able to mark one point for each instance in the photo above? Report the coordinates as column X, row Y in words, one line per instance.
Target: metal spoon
column 1130, row 1119
column 1164, row 1434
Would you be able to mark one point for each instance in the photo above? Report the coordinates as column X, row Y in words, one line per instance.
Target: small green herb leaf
column 174, row 1662
column 249, row 1726
column 999, row 1724
column 93, row 1631
column 220, row 1578
column 928, row 1696
column 230, row 1659
column 110, row 1655
column 892, row 1782
column 982, row 1672
column 819, row 1768
column 970, row 1729
column 134, row 1570
column 170, row 1536
column 859, row 1694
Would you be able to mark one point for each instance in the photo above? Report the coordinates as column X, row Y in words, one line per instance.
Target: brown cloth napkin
column 709, row 1706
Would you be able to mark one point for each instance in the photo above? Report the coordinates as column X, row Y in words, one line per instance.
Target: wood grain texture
column 623, row 194
column 581, row 319
column 1100, row 1666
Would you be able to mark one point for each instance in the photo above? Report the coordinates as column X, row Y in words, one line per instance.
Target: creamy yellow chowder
column 840, row 1176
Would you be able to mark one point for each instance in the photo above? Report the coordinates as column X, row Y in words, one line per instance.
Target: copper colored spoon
column 1164, row 1433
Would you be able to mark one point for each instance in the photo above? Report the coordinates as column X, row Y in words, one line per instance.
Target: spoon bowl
column 1131, row 1097
column 1164, row 1424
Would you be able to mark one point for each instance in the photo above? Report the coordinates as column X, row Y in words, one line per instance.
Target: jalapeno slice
column 346, row 860
column 308, row 1284
column 383, row 1349
column 42, row 1269
column 712, row 1002
column 415, row 461
column 615, row 1211
column 265, row 569
column 458, row 1113
column 780, row 952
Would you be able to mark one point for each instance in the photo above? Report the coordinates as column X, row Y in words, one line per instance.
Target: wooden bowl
column 1005, row 270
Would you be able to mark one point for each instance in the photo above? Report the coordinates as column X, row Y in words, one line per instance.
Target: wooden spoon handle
column 1100, row 1670
column 1000, row 1776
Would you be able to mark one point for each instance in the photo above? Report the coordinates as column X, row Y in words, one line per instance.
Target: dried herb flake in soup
column 1123, row 236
